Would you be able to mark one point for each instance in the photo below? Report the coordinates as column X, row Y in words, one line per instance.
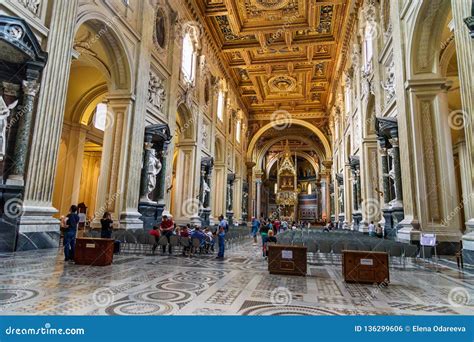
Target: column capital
column 30, row 87
column 11, row 89
column 327, row 163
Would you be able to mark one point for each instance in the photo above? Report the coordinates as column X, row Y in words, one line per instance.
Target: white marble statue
column 4, row 114
column 205, row 191
column 152, row 167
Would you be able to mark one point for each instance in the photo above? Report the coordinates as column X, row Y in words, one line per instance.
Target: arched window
column 348, row 98
column 220, row 105
column 188, row 61
column 309, row 189
column 100, row 116
column 369, row 34
column 238, row 129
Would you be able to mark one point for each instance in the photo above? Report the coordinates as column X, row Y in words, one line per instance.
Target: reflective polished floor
column 40, row 283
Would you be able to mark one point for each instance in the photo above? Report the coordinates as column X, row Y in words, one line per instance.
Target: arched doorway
column 91, row 140
column 183, row 204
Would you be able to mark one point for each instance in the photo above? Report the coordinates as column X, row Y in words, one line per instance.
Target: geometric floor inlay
column 41, row 283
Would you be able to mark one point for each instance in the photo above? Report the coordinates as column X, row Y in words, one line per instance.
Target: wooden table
column 365, row 267
column 288, row 260
column 94, row 251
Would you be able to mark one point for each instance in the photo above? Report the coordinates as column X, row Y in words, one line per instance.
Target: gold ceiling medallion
column 270, row 5
column 282, row 83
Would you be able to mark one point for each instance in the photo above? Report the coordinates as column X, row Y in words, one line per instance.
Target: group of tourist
column 268, row 229
column 205, row 235
column 374, row 231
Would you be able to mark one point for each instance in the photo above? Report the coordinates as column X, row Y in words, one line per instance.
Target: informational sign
column 428, row 239
column 90, row 245
column 367, row 262
column 286, row 254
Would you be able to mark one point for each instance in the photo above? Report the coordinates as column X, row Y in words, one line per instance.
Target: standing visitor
column 264, row 228
column 371, row 228
column 166, row 228
column 379, row 231
column 276, row 226
column 255, row 227
column 223, row 223
column 72, row 220
column 106, row 226
column 221, row 239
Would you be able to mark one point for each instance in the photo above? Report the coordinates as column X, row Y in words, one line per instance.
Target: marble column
column 258, row 184
column 37, row 206
column 230, row 197
column 354, row 163
column 463, row 18
column 30, row 89
column 340, row 199
column 385, row 180
column 327, row 179
column 251, row 192
column 397, row 202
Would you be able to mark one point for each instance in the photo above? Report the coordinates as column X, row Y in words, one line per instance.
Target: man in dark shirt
column 72, row 220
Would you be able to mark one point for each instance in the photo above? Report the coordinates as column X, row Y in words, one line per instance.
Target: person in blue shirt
column 255, row 228
column 223, row 223
column 221, row 231
column 72, row 220
column 198, row 234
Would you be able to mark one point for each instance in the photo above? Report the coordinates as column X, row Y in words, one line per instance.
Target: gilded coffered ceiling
column 280, row 53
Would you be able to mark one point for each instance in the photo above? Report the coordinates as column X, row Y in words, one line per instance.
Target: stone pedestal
column 389, row 230
column 205, row 214
column 356, row 220
column 230, row 217
column 151, row 214
column 341, row 219
column 10, row 200
column 195, row 220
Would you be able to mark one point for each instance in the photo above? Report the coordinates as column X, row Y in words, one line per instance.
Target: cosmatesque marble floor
column 40, row 283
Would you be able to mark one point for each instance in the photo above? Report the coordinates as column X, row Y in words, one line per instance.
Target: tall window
column 100, row 116
column 220, row 105
column 348, row 99
column 368, row 42
column 310, row 190
column 188, row 59
column 238, row 128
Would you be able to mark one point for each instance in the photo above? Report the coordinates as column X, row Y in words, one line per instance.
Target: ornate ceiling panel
column 281, row 53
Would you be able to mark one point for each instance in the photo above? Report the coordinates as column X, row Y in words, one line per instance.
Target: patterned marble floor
column 40, row 283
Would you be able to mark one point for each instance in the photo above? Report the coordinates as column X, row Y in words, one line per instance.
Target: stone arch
column 301, row 154
column 111, row 38
column 324, row 140
column 261, row 153
column 185, row 122
column 369, row 119
column 425, row 36
column 219, row 150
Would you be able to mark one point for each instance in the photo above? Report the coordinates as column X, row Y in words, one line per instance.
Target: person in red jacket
column 166, row 228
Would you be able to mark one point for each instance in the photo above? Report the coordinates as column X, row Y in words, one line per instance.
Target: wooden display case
column 94, row 251
column 365, row 267
column 288, row 260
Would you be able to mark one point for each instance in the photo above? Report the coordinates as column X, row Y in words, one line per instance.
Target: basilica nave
column 346, row 114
